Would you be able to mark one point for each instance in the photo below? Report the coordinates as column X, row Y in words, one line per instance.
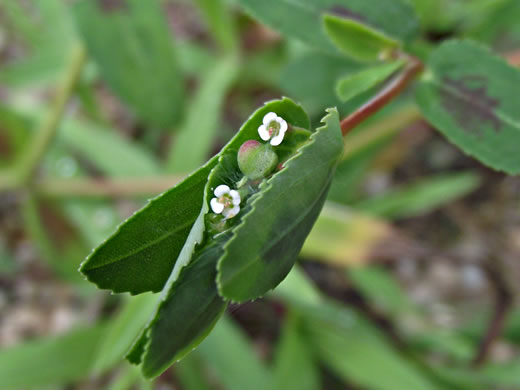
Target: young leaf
column 191, row 292
column 131, row 43
column 294, row 365
column 107, row 149
column 50, row 361
column 355, row 84
column 140, row 255
column 121, row 330
column 190, row 372
column 196, row 136
column 320, row 72
column 471, row 96
column 265, row 244
column 356, row 40
column 186, row 315
column 301, row 19
column 233, row 359
column 220, row 22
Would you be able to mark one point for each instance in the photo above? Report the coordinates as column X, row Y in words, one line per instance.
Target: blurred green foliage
column 165, row 85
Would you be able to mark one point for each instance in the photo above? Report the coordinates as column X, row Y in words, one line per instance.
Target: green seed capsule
column 256, row 160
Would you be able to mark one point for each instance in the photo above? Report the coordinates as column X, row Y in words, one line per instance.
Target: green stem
column 48, row 128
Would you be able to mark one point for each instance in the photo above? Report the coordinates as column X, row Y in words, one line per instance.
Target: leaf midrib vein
column 267, row 247
column 140, row 249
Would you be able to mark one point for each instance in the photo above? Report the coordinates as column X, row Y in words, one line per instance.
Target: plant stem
column 47, row 130
column 386, row 127
column 392, row 89
column 513, row 58
column 105, row 188
column 503, row 302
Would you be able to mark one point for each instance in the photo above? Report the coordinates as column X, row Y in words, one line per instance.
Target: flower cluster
column 255, row 160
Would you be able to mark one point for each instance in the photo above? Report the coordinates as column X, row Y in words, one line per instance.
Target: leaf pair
column 165, row 246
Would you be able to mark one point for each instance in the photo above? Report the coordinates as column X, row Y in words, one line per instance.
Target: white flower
column 273, row 128
column 226, row 201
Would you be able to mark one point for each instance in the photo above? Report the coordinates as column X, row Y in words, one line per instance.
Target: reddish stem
column 513, row 58
column 392, row 89
column 503, row 303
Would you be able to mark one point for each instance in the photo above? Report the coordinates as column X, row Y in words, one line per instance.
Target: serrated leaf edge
column 150, row 203
column 179, row 266
column 266, row 186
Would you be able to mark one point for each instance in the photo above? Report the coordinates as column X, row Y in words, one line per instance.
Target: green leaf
column 231, row 356
column 500, row 29
column 471, row 96
column 13, row 137
column 357, row 83
column 269, row 237
column 195, row 137
column 320, row 72
column 125, row 379
column 190, row 372
column 350, row 344
column 186, row 314
column 190, row 292
column 382, row 289
column 51, row 361
column 302, row 19
column 220, row 21
column 359, row 353
column 294, row 365
column 420, row 197
column 48, row 30
column 356, row 40
column 140, row 255
column 121, row 331
column 131, row 43
column 107, row 149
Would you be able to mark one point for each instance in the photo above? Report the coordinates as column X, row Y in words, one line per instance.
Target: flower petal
column 264, row 134
column 216, row 206
column 283, row 124
column 230, row 213
column 269, row 117
column 277, row 140
column 235, row 195
column 221, row 190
